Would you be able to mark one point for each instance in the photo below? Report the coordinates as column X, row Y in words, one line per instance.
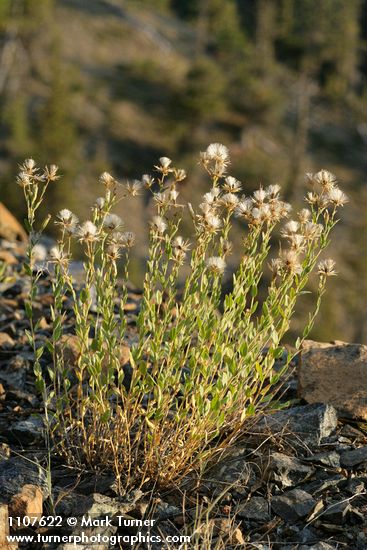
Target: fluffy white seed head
column 326, row 268
column 216, row 265
column 112, row 222
column 88, row 232
column 158, row 224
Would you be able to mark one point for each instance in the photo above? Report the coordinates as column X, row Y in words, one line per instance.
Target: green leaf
column 27, row 225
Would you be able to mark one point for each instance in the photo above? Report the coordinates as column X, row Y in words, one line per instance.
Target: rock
column 14, row 376
column 349, row 459
column 233, row 469
column 257, row 508
column 309, row 423
column 293, row 505
column 10, row 228
column 16, row 472
column 288, row 471
column 76, row 504
column 7, row 257
column 28, row 502
column 69, row 347
column 318, row 546
column 28, row 431
column 336, row 513
column 6, row 341
column 331, row 459
column 335, row 374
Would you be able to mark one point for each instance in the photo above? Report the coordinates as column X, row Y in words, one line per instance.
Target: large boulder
column 335, row 374
column 10, row 228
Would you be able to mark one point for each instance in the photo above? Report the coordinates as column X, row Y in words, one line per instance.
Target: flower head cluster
column 264, row 206
column 325, row 190
column 215, row 159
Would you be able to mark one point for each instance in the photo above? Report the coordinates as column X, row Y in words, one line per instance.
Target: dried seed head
column 112, row 222
column 297, row 242
column 179, row 174
column 304, row 215
column 108, row 181
column 232, row 185
column 88, row 232
column 24, row 179
column 113, row 252
column 290, row 228
column 244, row 208
column 67, row 220
column 50, row 172
column 312, row 198
column 227, row 247
column 325, row 179
column 28, row 166
column 173, row 195
column 229, row 201
column 290, row 261
column 215, row 159
column 272, row 191
column 100, row 202
column 259, row 196
column 58, row 256
column 165, row 162
column 217, row 152
column 216, row 265
column 179, row 243
column 326, row 268
column 311, row 230
column 134, row 188
column 147, row 181
column 211, row 223
column 275, row 266
column 39, row 253
column 127, row 239
column 336, row 197
column 212, row 196
column 158, row 224
column 180, row 248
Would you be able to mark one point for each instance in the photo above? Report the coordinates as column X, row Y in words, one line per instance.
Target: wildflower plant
column 195, row 375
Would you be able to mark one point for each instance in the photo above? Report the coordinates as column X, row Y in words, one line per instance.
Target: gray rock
column 288, row 470
column 349, row 459
column 27, row 431
column 16, row 472
column 293, row 505
column 335, row 374
column 95, row 505
column 309, row 424
column 331, row 459
column 318, row 546
column 257, row 508
column 336, row 513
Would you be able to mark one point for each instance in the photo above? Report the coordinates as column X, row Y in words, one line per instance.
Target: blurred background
column 95, row 85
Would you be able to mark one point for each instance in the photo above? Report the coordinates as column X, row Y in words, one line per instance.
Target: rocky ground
column 297, row 481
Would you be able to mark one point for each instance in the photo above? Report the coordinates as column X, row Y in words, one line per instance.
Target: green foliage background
column 114, row 84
